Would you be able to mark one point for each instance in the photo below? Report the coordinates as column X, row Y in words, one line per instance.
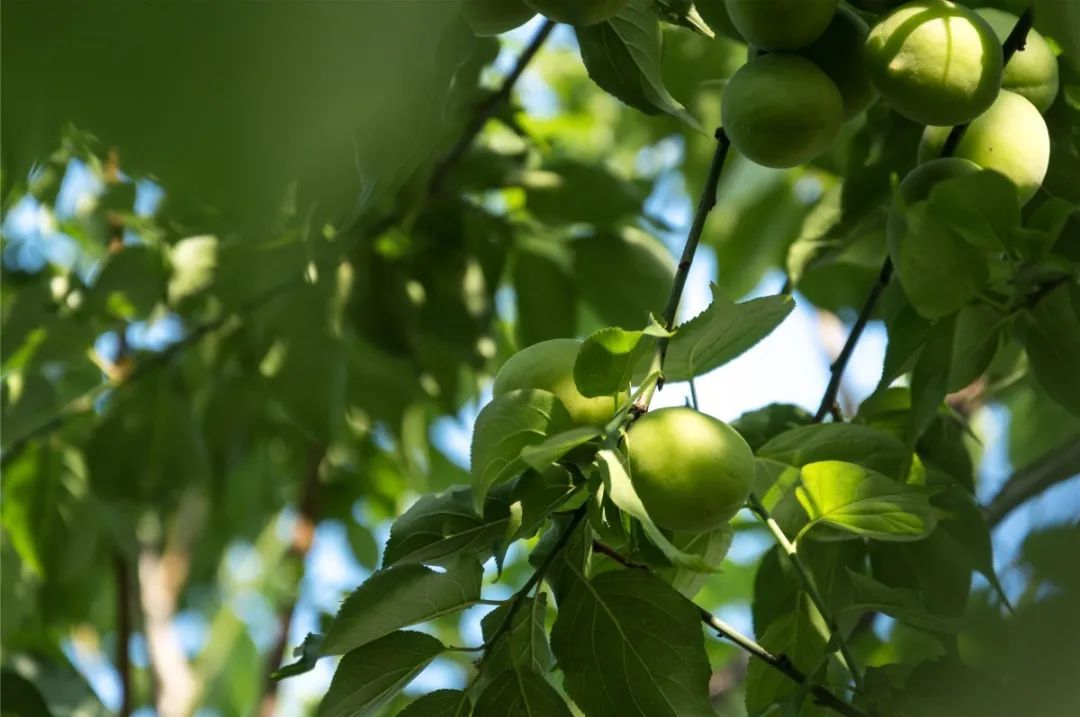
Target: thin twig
column 809, row 586
column 123, row 632
column 1052, row 468
column 778, row 662
column 1015, row 42
column 706, row 202
column 486, row 109
column 828, row 400
column 519, row 597
column 303, row 536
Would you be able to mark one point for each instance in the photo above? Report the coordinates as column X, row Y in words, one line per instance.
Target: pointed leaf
column 631, row 645
column 520, row 693
column 904, row 605
column 851, row 498
column 369, row 676
column 400, row 596
column 622, row 56
column 605, row 362
column 440, row 703
column 721, row 333
column 542, row 455
column 509, row 423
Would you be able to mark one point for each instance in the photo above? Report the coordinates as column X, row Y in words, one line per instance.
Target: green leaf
column 983, row 208
column 545, row 293
column 544, row 454
column 907, row 333
column 369, row 676
column 866, row 446
column 930, row 377
column 939, row 270
column 520, row 693
column 629, row 644
column 622, row 56
column 621, row 491
column 400, row 596
column 623, row 276
column 605, row 362
column 570, row 191
column 21, row 697
column 1053, row 345
column 761, row 425
column 904, row 605
column 440, row 703
column 523, row 647
column 722, row 332
column 979, row 330
column 131, row 283
column 712, row 546
column 864, row 503
column 801, row 636
column 508, row 424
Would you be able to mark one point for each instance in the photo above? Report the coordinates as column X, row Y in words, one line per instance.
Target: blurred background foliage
column 239, row 317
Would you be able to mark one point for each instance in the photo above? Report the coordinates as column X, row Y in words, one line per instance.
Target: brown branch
column 303, row 535
column 486, row 109
column 828, row 400
column 706, row 202
column 123, row 632
column 1050, row 469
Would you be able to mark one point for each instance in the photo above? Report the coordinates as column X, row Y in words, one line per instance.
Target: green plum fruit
column 781, row 24
column 549, row 366
column 494, row 17
column 691, row 471
column 781, row 110
column 1031, row 72
column 578, row 12
column 935, row 62
column 1010, row 138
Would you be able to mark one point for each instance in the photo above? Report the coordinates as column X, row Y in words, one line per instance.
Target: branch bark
column 706, row 202
column 1052, row 468
column 122, row 576
column 303, row 536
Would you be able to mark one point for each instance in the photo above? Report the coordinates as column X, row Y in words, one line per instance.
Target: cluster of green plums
column 691, row 471
column 815, row 63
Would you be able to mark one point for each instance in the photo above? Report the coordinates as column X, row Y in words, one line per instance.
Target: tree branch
column 486, row 109
column 780, row 663
column 1054, row 467
column 706, row 202
column 807, row 581
column 303, row 536
column 123, row 632
column 828, row 400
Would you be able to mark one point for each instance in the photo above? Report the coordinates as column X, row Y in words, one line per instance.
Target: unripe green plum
column 781, row 110
column 1010, row 138
column 781, row 24
column 691, row 471
column 578, row 12
column 494, row 17
column 935, row 62
column 1031, row 72
column 549, row 366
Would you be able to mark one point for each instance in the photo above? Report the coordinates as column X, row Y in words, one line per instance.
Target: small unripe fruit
column 549, row 366
column 781, row 110
column 935, row 62
column 691, row 471
column 494, row 17
column 781, row 24
column 1031, row 72
column 1010, row 138
column 578, row 12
